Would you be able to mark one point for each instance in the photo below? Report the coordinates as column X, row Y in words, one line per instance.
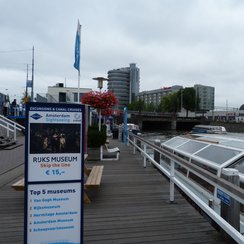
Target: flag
column 77, row 48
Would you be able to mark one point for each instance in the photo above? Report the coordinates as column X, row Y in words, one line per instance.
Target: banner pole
column 79, row 87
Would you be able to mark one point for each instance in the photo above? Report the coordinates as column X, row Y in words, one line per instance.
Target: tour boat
column 212, row 153
column 209, row 129
column 133, row 128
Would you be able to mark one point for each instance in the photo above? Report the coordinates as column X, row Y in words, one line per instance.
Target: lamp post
column 100, row 86
column 100, row 82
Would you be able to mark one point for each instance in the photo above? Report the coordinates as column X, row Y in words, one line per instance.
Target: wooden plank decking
column 131, row 206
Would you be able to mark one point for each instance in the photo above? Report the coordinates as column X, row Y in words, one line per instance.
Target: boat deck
column 131, row 206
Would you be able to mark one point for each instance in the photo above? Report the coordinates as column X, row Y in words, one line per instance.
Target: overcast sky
column 173, row 42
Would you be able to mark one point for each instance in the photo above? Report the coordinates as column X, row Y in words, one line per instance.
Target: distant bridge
column 162, row 121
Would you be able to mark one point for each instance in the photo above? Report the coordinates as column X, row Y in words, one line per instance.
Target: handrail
column 10, row 126
column 231, row 188
column 18, row 126
column 234, row 191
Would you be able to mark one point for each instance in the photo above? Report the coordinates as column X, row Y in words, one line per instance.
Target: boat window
column 239, row 165
column 165, row 159
column 192, row 146
column 238, row 144
column 182, row 156
column 175, row 142
column 217, row 154
column 242, row 205
column 242, row 208
column 181, row 169
column 167, row 149
column 201, row 182
column 203, row 166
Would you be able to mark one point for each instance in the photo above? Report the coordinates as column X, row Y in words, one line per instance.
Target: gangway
column 10, row 127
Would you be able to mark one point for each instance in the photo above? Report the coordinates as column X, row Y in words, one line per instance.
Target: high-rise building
column 205, row 95
column 125, row 84
column 155, row 96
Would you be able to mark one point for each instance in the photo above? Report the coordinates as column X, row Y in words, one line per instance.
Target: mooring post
column 230, row 210
column 156, row 154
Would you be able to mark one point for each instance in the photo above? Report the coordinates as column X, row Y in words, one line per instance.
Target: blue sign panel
column 54, row 173
column 225, row 198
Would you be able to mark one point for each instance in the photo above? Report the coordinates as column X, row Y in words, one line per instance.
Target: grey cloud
column 172, row 42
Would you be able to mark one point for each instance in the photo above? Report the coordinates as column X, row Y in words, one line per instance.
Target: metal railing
column 234, row 191
column 11, row 127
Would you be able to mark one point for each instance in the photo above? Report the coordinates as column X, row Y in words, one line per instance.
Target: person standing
column 13, row 107
column 6, row 108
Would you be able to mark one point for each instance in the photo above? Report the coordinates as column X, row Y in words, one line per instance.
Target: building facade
column 205, row 95
column 125, row 84
column 155, row 96
column 61, row 94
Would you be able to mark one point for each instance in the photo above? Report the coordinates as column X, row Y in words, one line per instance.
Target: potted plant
column 95, row 139
column 102, row 101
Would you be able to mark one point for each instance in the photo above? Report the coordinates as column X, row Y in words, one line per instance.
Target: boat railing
column 143, row 146
column 10, row 126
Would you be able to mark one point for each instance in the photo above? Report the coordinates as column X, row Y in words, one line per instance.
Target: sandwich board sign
column 54, row 173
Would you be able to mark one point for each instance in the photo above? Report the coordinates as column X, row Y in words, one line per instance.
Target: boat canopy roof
column 214, row 151
column 208, row 126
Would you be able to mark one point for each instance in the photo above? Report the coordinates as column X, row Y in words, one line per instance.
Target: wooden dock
column 131, row 206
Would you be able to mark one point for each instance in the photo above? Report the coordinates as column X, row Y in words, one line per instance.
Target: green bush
column 96, row 138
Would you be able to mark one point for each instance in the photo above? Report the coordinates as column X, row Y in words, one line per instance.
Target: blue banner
column 77, row 47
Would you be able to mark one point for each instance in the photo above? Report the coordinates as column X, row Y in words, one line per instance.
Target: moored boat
column 133, row 128
column 215, row 154
column 209, row 129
